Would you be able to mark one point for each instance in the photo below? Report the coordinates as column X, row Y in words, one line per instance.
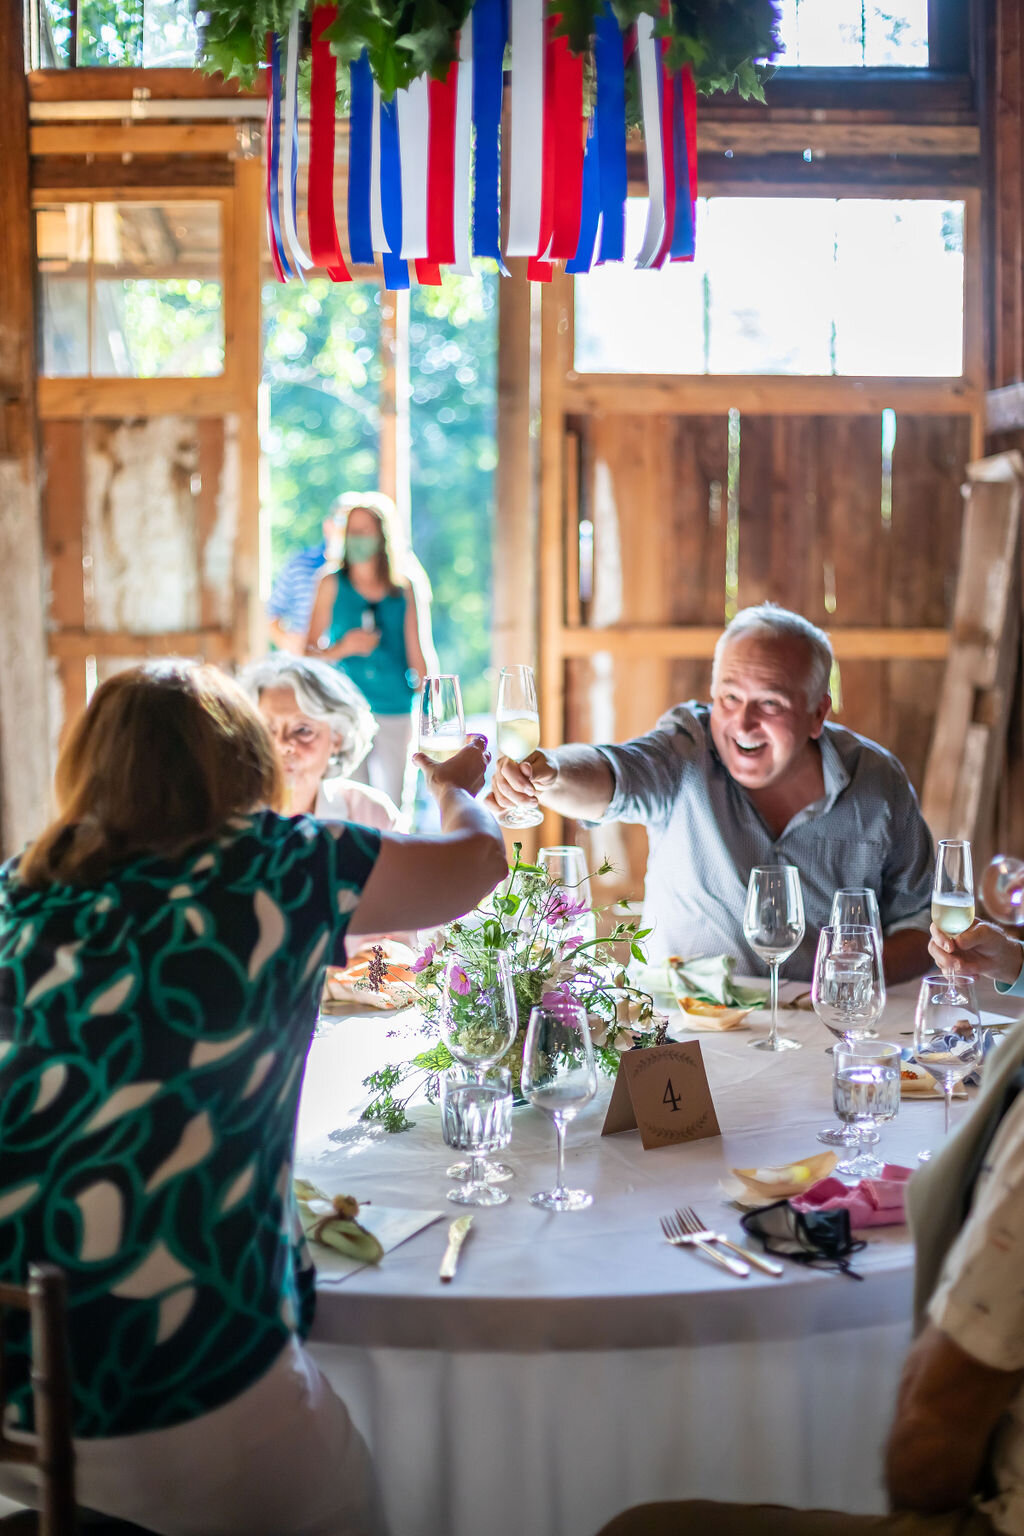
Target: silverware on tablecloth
column 694, row 1227
column 674, row 1233
column 456, row 1237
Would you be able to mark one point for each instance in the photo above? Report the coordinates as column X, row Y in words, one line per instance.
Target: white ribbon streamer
column 413, row 151
column 464, row 151
column 377, row 234
column 291, row 113
column 526, row 33
column 649, row 64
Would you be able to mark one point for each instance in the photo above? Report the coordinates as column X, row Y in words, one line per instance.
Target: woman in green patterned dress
column 162, row 948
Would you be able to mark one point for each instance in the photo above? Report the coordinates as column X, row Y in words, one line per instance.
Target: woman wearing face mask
column 367, row 621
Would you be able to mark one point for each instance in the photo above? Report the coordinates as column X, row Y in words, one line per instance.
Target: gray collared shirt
column 705, row 836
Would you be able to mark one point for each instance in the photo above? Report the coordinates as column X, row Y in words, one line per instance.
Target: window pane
column 157, row 293
column 786, row 285
column 849, row 34
column 63, row 246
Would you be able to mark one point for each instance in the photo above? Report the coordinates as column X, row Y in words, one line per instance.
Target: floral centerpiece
column 535, row 923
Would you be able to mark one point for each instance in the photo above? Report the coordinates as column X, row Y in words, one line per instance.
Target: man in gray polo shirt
column 758, row 777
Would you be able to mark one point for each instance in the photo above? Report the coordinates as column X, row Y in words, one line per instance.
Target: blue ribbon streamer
column 610, row 118
column 396, row 271
column 275, row 152
column 590, row 211
column 683, row 235
column 490, row 34
column 360, row 149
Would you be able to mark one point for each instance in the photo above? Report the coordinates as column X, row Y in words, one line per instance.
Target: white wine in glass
column 953, row 889
column 952, row 913
column 442, row 724
column 518, row 732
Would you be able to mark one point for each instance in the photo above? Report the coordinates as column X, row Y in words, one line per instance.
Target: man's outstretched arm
column 574, row 781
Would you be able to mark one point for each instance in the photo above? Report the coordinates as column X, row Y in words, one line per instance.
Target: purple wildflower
column 560, row 1001
column 422, row 961
column 458, row 981
column 562, row 907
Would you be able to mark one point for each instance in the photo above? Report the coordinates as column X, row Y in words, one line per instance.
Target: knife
column 456, row 1237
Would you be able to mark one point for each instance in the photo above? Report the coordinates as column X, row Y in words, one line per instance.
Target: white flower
column 630, row 1010
column 598, row 1028
column 624, row 1040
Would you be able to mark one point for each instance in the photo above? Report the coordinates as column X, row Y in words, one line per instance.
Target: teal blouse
column 153, row 1033
column 383, row 676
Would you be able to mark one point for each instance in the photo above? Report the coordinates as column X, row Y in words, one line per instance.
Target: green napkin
column 709, row 978
column 332, row 1222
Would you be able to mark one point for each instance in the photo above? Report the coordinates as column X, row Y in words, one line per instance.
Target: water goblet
column 476, row 1117
column 568, row 912
column 947, row 1033
column 559, row 1077
column 856, row 906
column 517, row 722
column 478, row 1024
column 442, row 721
column 1002, row 889
column 953, row 888
column 848, row 993
column 773, row 926
column 865, row 1090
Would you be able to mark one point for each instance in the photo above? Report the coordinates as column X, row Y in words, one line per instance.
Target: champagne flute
column 518, row 732
column 478, row 1024
column 568, row 910
column 559, row 1077
column 442, row 722
column 773, row 926
column 848, row 993
column 865, row 1089
column 953, row 888
column 476, row 1117
column 947, row 1032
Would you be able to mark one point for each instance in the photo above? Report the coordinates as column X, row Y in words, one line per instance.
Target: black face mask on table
column 821, row 1239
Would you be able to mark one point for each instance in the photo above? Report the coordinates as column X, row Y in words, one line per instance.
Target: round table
column 579, row 1364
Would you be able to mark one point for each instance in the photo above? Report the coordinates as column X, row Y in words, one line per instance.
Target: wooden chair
column 50, row 1448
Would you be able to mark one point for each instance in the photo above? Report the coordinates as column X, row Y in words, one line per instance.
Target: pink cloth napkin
column 871, row 1203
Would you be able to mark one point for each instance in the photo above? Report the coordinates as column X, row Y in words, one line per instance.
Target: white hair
column 782, row 623
column 323, row 693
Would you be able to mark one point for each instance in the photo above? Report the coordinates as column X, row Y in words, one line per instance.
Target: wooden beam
column 514, row 623
column 555, row 356
column 244, row 355
column 135, row 139
column 1004, row 409
column 778, row 395
column 830, row 176
column 697, row 643
column 760, row 137
column 101, row 83
column 134, row 397
column 77, row 644
column 115, row 180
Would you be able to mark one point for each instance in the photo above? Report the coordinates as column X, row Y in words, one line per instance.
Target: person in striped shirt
column 291, row 597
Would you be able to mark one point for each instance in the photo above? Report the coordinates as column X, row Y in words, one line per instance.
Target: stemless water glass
column 478, row 1024
column 476, row 1117
column 856, row 906
column 518, row 733
column 559, row 1077
column 953, row 888
column 848, row 993
column 865, row 1090
column 947, row 1032
column 569, row 913
column 442, row 722
column 773, row 926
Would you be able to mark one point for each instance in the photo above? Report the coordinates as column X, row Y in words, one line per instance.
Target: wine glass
column 478, row 1024
column 773, row 926
column 848, row 993
column 865, row 1090
column 568, row 911
column 953, row 888
column 856, row 906
column 947, row 1032
column 518, row 733
column 559, row 1077
column 442, row 723
column 476, row 1117
column 1002, row 889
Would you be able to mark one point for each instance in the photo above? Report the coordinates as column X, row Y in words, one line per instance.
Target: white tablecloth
column 578, row 1364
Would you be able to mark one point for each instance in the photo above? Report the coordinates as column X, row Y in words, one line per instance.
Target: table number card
column 663, row 1090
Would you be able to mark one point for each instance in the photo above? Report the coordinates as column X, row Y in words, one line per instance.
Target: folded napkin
column 353, row 984
column 331, row 1221
column 767, row 1184
column 871, row 1203
column 713, row 1016
column 708, row 978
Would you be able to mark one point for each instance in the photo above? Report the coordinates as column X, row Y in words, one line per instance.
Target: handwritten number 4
column 671, row 1097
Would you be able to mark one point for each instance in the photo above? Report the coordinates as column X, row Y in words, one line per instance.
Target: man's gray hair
column 770, row 619
column 323, row 693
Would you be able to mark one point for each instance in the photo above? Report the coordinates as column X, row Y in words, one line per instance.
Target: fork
column 675, row 1234
column 695, row 1228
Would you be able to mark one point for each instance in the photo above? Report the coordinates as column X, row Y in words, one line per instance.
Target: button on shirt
column 705, row 836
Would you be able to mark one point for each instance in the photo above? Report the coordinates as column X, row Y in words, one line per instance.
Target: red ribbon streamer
column 441, row 168
column 271, row 241
column 324, row 246
column 538, row 270
column 428, row 274
column 570, row 138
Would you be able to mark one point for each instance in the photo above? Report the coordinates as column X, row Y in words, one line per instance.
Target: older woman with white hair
column 322, row 728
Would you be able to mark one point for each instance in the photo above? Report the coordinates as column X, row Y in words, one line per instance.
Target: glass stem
column 773, row 985
column 476, row 1169
column 947, row 1100
column 560, row 1137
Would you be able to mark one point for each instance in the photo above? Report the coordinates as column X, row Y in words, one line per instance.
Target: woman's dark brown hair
column 164, row 754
